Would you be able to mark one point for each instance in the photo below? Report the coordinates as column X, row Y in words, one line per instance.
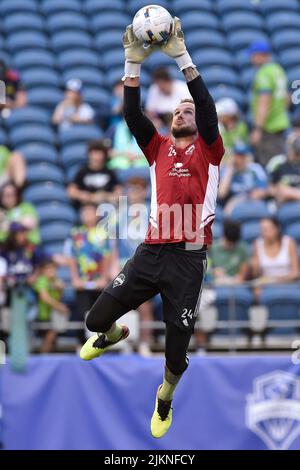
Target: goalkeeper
column 184, row 170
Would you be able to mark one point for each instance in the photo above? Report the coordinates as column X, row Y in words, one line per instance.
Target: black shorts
column 166, row 269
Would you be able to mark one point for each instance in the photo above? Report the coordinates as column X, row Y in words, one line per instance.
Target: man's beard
column 186, row 131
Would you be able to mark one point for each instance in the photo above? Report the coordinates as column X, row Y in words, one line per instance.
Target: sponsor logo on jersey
column 120, row 279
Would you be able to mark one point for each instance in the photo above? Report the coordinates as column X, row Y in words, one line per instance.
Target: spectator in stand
column 12, row 167
column 50, row 308
column 72, row 110
column 13, row 209
column 132, row 230
column 275, row 257
column 285, row 177
column 94, row 182
column 90, row 263
column 232, row 128
column 229, row 256
column 15, row 94
column 269, row 104
column 241, row 179
column 165, row 93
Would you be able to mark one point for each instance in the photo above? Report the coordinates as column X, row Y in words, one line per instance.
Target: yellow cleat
column 162, row 417
column 97, row 344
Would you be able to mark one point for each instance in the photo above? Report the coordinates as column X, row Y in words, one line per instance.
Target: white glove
column 135, row 53
column 175, row 47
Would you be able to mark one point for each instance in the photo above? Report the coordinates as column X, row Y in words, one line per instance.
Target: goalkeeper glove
column 175, row 47
column 135, row 53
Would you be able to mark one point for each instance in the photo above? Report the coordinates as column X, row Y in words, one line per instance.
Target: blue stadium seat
column 45, row 96
column 92, row 7
column 293, row 230
column 98, row 98
column 3, row 137
column 26, row 40
column 158, row 59
column 282, row 20
column 290, row 57
column 80, row 133
column 108, row 39
column 65, row 40
column 78, row 58
column 195, row 40
column 243, row 59
column 23, row 21
column 39, row 153
column 284, row 40
column 270, row 6
column 293, row 74
column 250, row 211
column 45, row 192
column 59, row 6
column 289, row 213
column 20, row 6
column 90, row 76
column 115, row 75
column 113, row 58
column 134, row 5
column 224, row 91
column 217, row 230
column 42, row 172
column 74, row 154
column 197, row 21
column 125, row 175
column 233, row 303
column 226, row 6
column 250, row 231
column 55, row 232
column 55, row 211
column 247, row 76
column 27, row 115
column 110, row 21
column 64, row 21
column 219, row 75
column 219, row 213
column 54, row 249
column 242, row 39
column 180, row 7
column 32, row 133
column 212, row 57
column 242, row 20
column 34, row 58
column 283, row 303
column 38, row 77
column 72, row 172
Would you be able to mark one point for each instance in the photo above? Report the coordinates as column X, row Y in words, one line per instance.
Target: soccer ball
column 152, row 24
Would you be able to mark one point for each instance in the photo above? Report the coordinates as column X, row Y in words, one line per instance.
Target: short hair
column 232, row 231
column 99, row 145
column 138, row 181
column 162, row 74
column 187, row 100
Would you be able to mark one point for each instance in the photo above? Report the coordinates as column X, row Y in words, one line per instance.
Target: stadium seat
column 32, row 133
column 250, row 211
column 34, row 58
column 242, row 39
column 196, row 40
column 45, row 192
column 125, row 175
column 197, row 21
column 289, row 213
column 247, row 76
column 179, row 7
column 219, row 75
column 113, row 58
column 293, row 74
column 21, row 6
column 23, row 21
column 45, row 96
column 283, row 21
column 90, row 76
column 27, row 115
column 134, row 5
column 80, row 133
column 78, row 58
column 290, row 57
column 3, row 137
column 158, row 59
column 284, row 40
column 250, row 231
column 213, row 57
column 233, row 304
column 42, row 172
column 242, row 20
column 217, row 230
column 38, row 153
column 283, row 303
column 72, row 172
column 98, row 98
column 115, row 75
column 225, row 91
column 227, row 6
column 38, row 77
column 92, row 7
column 60, row 6
column 65, row 40
column 26, row 40
column 109, row 21
column 54, row 212
column 270, row 6
column 55, row 232
column 293, row 230
column 108, row 39
column 64, row 21
column 74, row 154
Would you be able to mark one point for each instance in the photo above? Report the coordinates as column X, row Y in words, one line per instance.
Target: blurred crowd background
column 66, row 151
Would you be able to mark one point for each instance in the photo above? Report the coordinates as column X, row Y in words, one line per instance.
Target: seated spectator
column 15, row 94
column 229, row 256
column 275, row 257
column 132, row 232
column 12, row 167
column 50, row 308
column 72, row 110
column 90, row 262
column 241, row 179
column 13, row 209
column 232, row 128
column 285, row 177
column 165, row 93
column 94, row 182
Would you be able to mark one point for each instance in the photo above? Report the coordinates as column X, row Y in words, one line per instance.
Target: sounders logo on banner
column 273, row 410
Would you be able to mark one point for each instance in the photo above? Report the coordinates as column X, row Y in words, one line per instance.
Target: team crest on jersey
column 120, row 279
column 190, row 150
